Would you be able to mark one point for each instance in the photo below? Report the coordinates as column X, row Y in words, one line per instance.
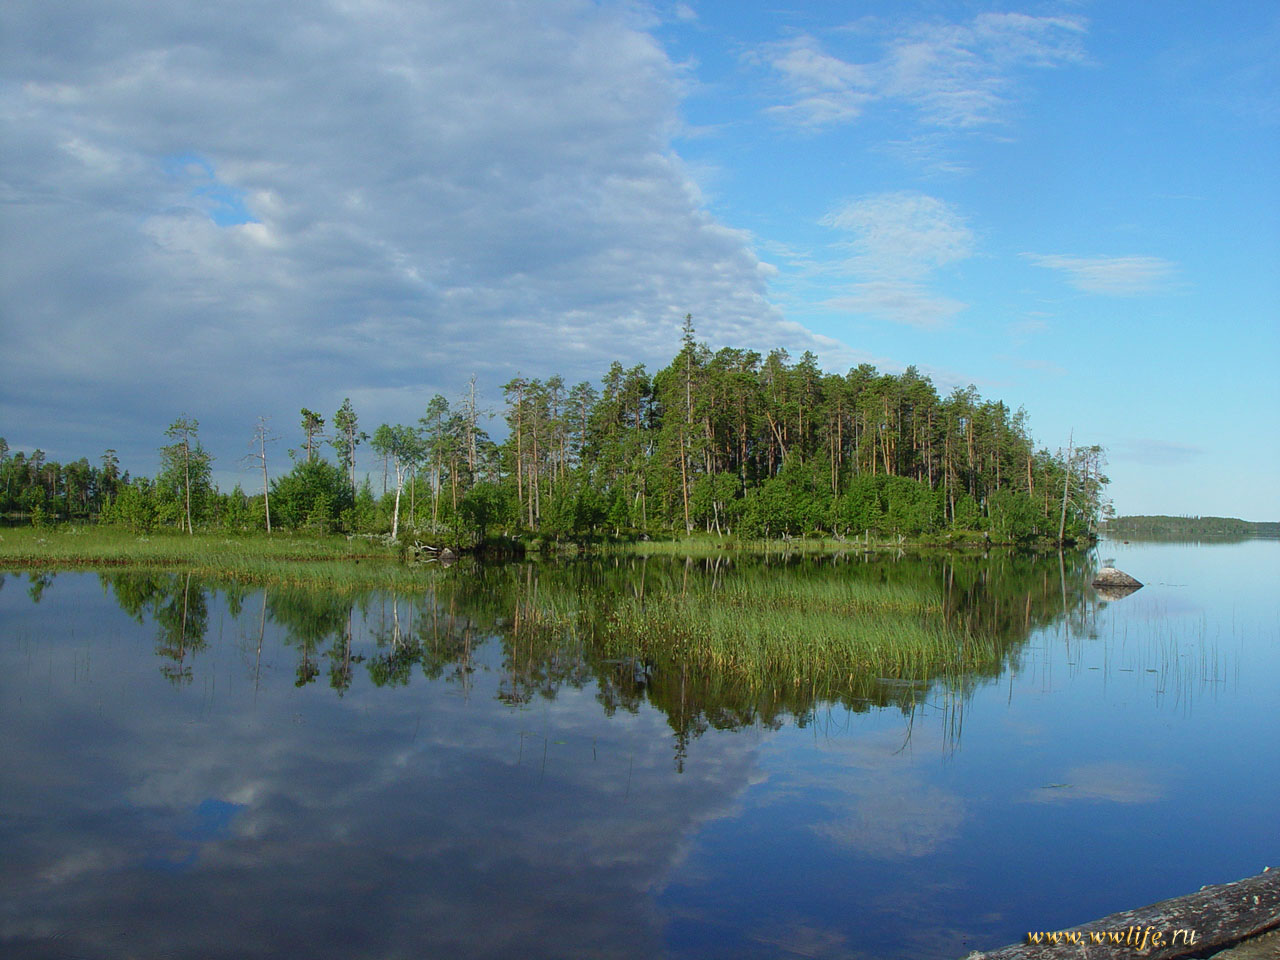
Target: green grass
column 759, row 629
column 326, row 561
column 800, row 646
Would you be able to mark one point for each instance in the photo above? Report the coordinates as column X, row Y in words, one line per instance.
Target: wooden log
column 1214, row 918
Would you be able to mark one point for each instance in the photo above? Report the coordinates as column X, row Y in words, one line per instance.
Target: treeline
column 1162, row 527
column 729, row 442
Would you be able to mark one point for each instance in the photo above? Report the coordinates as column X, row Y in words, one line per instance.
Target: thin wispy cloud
column 902, row 234
column 1114, row 276
column 897, row 241
column 954, row 75
column 1159, row 453
column 1031, row 325
column 825, row 90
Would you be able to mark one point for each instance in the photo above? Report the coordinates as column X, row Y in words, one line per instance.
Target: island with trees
column 730, row 444
column 1187, row 528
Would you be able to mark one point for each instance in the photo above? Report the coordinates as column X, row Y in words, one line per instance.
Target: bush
column 315, row 493
column 134, row 507
column 485, row 505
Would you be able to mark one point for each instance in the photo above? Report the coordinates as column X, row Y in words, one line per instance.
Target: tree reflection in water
column 565, row 626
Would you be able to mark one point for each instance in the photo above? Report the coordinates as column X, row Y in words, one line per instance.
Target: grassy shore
column 329, row 561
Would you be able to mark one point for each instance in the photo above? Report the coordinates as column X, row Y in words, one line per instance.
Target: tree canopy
column 727, row 441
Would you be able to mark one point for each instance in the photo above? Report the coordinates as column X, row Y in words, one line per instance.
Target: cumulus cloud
column 1114, row 276
column 234, row 211
column 953, row 75
column 897, row 241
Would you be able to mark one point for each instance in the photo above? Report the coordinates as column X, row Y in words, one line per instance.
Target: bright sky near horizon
column 239, row 209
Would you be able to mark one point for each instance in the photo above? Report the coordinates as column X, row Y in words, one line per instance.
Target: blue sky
column 231, row 211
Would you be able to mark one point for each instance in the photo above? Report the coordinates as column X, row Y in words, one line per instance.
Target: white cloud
column 955, row 76
column 1117, row 276
column 903, row 234
column 438, row 189
column 898, row 240
column 826, row 90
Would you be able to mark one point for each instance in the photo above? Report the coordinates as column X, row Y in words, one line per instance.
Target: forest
column 727, row 442
column 1189, row 528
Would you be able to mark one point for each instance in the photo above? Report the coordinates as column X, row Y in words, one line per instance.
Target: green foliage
column 314, row 494
column 364, row 517
column 858, row 509
column 967, row 515
column 912, row 508
column 184, row 486
column 347, row 437
column 1013, row 516
column 33, row 499
column 483, row 506
column 235, row 512
column 134, row 507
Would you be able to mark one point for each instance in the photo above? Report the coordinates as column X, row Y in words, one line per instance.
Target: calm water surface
column 191, row 769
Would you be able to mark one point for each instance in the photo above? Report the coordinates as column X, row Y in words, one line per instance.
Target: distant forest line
column 1162, row 527
column 728, row 442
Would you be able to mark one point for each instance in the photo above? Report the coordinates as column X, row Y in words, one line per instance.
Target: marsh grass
column 771, row 628
column 323, row 561
column 766, row 644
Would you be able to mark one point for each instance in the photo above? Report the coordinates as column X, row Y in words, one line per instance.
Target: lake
column 201, row 769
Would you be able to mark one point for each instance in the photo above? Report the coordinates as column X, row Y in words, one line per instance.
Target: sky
column 235, row 210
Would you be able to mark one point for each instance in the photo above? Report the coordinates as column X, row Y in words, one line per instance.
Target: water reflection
column 468, row 770
column 538, row 614
column 406, row 819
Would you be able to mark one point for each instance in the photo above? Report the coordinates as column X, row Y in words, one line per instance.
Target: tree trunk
column 266, row 496
column 684, row 484
column 1066, row 482
column 395, row 516
column 186, row 467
